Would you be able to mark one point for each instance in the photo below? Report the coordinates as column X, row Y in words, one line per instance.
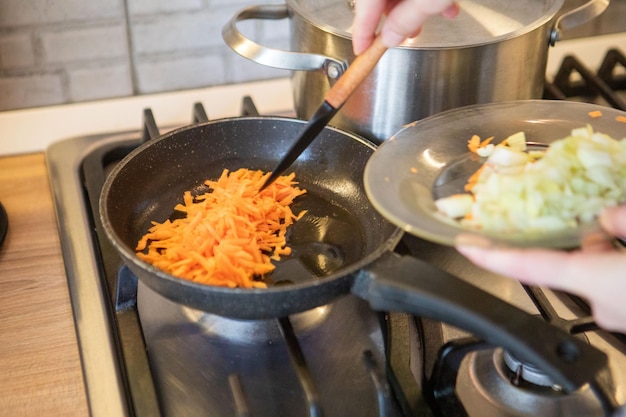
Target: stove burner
column 485, row 389
column 249, row 331
column 320, row 362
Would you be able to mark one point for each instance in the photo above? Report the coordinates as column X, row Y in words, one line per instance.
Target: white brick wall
column 139, row 7
column 33, row 88
column 104, row 41
column 175, row 32
column 17, row 51
column 188, row 34
column 14, row 13
column 179, row 72
column 99, row 81
column 64, row 51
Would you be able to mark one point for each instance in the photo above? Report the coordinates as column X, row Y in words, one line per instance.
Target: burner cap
column 485, row 389
column 528, row 371
column 4, row 223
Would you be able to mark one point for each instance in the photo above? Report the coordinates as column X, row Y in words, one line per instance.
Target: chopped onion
column 562, row 187
column 455, row 206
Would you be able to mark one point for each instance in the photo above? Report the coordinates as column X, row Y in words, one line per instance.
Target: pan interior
column 339, row 230
column 325, row 240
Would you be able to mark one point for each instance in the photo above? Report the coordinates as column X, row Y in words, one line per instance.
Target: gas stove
column 144, row 355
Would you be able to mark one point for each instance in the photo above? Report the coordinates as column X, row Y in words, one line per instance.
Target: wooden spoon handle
column 356, row 73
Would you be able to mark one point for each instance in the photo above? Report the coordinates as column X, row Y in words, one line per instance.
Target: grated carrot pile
column 228, row 236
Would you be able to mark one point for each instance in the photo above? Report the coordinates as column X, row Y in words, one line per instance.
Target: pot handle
column 577, row 17
column 406, row 284
column 277, row 58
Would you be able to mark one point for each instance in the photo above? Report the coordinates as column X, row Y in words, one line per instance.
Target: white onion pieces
column 536, row 191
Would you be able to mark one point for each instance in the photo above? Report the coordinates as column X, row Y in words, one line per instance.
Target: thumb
column 613, row 220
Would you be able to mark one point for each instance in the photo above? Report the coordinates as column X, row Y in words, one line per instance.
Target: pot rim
column 548, row 16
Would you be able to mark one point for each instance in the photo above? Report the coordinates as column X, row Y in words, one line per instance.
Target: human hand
column 596, row 272
column 404, row 19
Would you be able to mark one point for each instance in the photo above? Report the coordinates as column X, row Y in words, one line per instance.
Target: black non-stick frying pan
column 342, row 245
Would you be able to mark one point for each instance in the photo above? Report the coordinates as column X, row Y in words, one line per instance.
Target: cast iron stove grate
column 576, row 81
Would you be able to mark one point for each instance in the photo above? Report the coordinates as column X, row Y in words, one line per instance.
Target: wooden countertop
column 40, row 371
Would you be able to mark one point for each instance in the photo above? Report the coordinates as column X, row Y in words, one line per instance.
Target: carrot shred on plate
column 595, row 114
column 229, row 236
column 473, row 143
column 486, row 142
column 473, row 179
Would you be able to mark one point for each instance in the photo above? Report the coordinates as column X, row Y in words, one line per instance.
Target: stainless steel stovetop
column 143, row 355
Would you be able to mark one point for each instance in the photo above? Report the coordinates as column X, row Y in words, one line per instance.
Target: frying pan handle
column 277, row 58
column 406, row 284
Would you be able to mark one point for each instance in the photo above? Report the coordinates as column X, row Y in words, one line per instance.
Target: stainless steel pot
column 493, row 51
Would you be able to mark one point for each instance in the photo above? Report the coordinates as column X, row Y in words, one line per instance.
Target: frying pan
column 343, row 245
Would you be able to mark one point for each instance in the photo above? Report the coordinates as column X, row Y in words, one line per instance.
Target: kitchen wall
column 66, row 51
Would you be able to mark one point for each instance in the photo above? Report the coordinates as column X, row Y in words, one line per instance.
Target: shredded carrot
column 621, row 119
column 595, row 114
column 228, row 236
column 485, row 142
column 473, row 179
column 474, row 143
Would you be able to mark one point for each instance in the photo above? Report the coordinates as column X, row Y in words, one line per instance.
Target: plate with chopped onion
column 525, row 173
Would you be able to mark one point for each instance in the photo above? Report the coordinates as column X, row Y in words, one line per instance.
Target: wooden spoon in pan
column 334, row 99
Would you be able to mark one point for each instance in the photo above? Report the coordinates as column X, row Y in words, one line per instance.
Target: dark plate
column 429, row 159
